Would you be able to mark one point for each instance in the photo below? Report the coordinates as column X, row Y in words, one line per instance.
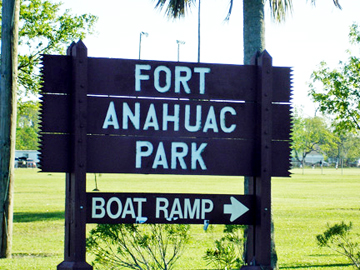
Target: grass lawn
column 302, row 206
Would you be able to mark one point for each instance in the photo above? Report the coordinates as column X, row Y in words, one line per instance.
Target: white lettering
column 140, row 77
column 108, row 207
column 129, row 115
column 210, row 122
column 196, row 156
column 223, row 126
column 96, row 206
column 171, row 118
column 139, row 201
column 162, row 205
column 166, row 87
column 176, row 209
column 111, row 118
column 191, row 211
column 151, row 119
column 160, row 158
column 178, row 151
column 202, row 71
column 182, row 79
column 197, row 125
column 128, row 209
column 140, row 145
column 206, row 207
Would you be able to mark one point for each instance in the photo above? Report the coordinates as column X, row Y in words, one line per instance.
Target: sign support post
column 75, row 205
column 259, row 236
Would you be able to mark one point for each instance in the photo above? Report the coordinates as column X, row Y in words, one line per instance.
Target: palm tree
column 253, row 42
column 253, row 17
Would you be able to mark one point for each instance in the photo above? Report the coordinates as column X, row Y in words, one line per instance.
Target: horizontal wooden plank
column 55, row 113
column 282, row 89
column 238, row 116
column 56, row 74
column 109, row 76
column 120, row 154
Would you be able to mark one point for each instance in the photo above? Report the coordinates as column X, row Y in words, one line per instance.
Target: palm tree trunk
column 199, row 31
column 254, row 28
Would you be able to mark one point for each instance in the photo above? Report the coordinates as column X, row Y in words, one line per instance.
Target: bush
column 137, row 246
column 338, row 238
column 228, row 250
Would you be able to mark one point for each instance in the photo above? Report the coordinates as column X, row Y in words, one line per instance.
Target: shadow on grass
column 316, row 266
column 34, row 255
column 21, row 217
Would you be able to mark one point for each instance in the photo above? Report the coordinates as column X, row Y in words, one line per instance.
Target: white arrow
column 236, row 209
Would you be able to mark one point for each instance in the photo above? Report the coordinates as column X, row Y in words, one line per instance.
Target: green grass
column 302, row 206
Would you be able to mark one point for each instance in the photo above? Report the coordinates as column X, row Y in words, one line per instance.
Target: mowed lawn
column 302, row 206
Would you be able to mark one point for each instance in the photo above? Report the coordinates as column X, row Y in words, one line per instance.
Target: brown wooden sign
column 115, row 208
column 163, row 117
column 130, row 116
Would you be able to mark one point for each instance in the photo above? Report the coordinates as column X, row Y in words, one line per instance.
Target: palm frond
column 174, row 8
column 279, row 9
column 336, row 3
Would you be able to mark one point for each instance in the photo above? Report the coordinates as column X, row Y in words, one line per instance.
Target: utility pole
column 8, row 87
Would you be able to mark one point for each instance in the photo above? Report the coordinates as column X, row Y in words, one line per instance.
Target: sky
column 309, row 35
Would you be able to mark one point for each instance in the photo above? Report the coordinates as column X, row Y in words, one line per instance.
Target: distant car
column 22, row 162
column 30, row 163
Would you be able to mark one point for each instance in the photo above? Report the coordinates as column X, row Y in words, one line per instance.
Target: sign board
column 164, row 117
column 114, row 208
column 131, row 116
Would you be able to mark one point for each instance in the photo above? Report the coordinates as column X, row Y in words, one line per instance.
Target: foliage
column 45, row 29
column 337, row 90
column 27, row 127
column 134, row 246
column 228, row 250
column 339, row 239
column 311, row 134
column 348, row 148
column 177, row 9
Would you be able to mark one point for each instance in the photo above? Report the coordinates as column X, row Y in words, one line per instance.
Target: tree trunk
column 9, row 40
column 254, row 28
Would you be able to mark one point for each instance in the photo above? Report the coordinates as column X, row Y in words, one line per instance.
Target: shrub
column 137, row 246
column 228, row 250
column 338, row 238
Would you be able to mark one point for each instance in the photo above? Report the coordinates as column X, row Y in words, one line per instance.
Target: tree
column 27, row 127
column 337, row 90
column 41, row 30
column 311, row 134
column 44, row 30
column 347, row 150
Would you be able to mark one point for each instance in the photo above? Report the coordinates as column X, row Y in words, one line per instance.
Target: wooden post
column 75, row 207
column 258, row 255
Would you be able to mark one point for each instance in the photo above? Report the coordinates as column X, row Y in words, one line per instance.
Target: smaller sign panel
column 116, row 208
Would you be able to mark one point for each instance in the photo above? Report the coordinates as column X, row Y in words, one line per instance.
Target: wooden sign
column 163, row 117
column 115, row 208
column 131, row 116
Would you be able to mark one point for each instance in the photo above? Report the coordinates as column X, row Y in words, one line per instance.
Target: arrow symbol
column 236, row 209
